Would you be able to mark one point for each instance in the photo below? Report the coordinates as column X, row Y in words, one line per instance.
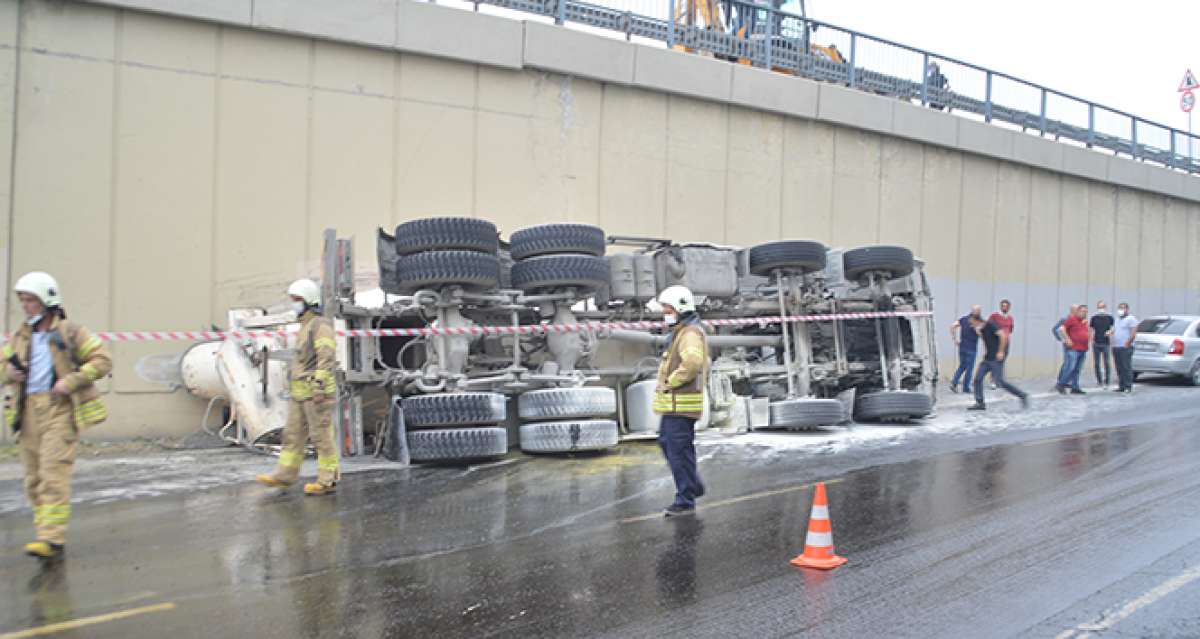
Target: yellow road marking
column 731, row 500
column 74, row 624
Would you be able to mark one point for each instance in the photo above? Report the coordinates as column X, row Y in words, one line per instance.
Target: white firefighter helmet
column 42, row 286
column 679, row 297
column 307, row 290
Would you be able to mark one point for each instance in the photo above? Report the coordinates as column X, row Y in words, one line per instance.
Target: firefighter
column 313, row 389
column 679, row 395
column 52, row 367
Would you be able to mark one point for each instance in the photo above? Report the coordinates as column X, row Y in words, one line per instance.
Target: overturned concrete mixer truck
column 549, row 341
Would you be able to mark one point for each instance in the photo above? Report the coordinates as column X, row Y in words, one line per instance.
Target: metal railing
column 769, row 38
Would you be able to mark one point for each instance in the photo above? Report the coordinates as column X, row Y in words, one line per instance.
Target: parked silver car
column 1168, row 344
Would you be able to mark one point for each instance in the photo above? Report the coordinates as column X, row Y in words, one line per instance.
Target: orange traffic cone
column 818, row 546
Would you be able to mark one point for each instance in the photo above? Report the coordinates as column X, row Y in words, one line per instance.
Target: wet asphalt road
column 1088, row 528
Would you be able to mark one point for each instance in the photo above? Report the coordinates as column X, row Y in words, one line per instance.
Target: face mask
column 1122, row 312
column 35, row 320
column 671, row 319
column 299, row 307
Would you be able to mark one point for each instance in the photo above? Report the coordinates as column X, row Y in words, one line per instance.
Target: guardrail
column 769, row 38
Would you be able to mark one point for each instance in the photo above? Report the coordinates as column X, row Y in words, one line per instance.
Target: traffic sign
column 1189, row 82
column 1187, row 101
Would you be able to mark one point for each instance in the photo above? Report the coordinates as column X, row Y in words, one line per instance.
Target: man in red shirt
column 1075, row 334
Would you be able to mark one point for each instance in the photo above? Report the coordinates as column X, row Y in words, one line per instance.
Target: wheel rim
column 1196, row 374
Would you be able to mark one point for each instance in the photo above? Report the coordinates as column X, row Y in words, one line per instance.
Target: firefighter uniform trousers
column 48, row 439
column 308, row 419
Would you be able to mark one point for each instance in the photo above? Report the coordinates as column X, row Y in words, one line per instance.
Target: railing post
column 1133, row 137
column 561, row 18
column 1091, row 125
column 1172, row 162
column 987, row 105
column 1042, row 120
column 671, row 25
column 768, row 40
column 853, row 55
column 925, row 80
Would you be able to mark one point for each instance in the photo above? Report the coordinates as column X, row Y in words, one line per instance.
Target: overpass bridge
column 169, row 159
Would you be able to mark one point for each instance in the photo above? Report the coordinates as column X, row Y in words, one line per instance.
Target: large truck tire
column 569, row 436
column 895, row 261
column 804, row 414
column 549, row 239
column 892, row 406
column 790, row 256
column 435, row 269
column 567, row 403
column 454, row 409
column 584, row 272
column 447, row 234
column 457, row 444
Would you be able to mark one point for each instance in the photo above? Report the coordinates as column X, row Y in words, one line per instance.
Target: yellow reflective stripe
column 6, row 350
column 301, row 389
column 91, row 412
column 327, row 463
column 56, row 515
column 10, row 416
column 325, row 381
column 324, row 342
column 288, row 459
column 88, row 347
column 90, row 372
column 37, row 514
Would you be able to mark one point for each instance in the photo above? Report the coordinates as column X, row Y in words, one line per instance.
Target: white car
column 1168, row 344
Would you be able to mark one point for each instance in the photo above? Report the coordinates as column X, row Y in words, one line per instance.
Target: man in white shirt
column 1124, row 331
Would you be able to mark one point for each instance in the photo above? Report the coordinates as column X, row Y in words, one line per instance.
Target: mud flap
column 847, row 398
column 395, row 446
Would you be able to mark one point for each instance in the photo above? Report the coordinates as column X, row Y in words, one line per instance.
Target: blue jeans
column 1068, row 375
column 676, row 437
column 966, row 370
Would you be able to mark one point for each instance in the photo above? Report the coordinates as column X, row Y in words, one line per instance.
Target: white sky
column 1127, row 55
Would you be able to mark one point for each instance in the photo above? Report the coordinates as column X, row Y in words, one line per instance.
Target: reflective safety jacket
column 79, row 358
column 683, row 372
column 316, row 356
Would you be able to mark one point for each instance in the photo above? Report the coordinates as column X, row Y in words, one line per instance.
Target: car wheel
column 457, row 444
column 445, row 268
column 792, row 256
column 548, row 239
column 567, row 403
column 447, row 234
column 568, row 436
column 804, row 414
column 548, row 272
column 1194, row 376
column 892, row 406
column 895, row 261
column 454, row 409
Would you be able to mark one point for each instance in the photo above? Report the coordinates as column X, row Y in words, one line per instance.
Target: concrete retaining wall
column 174, row 158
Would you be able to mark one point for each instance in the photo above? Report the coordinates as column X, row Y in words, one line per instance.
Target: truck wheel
column 454, row 409
column 568, row 436
column 444, row 268
column 567, row 403
column 895, row 261
column 892, row 406
column 447, row 234
column 548, row 239
column 458, row 444
column 803, row 414
column 794, row 256
column 585, row 272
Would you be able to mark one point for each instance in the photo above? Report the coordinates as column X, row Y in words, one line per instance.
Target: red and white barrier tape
column 585, row 327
